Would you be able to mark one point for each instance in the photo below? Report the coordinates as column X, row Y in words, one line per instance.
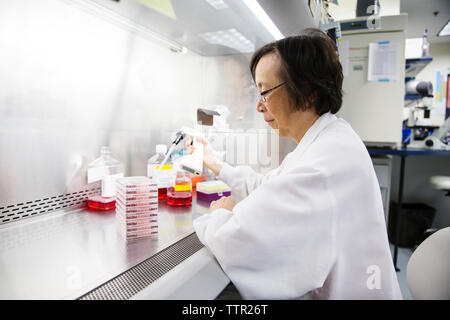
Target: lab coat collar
column 318, row 126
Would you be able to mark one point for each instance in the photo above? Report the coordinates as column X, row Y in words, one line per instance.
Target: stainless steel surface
column 184, row 22
column 199, row 277
column 32, row 208
column 65, row 254
column 136, row 279
column 291, row 16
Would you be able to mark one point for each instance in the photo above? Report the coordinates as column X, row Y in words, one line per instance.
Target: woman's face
column 276, row 110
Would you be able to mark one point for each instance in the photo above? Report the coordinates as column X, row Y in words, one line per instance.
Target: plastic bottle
column 425, row 45
column 180, row 193
column 107, row 169
column 167, row 173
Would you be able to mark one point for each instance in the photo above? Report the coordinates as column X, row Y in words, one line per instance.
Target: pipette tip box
column 212, row 190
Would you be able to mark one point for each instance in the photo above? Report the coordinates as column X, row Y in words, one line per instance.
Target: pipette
column 178, row 138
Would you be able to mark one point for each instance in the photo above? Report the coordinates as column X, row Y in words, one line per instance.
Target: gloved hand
column 209, row 158
column 227, row 203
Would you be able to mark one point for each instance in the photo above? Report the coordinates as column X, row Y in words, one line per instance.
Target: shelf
column 414, row 66
column 413, row 97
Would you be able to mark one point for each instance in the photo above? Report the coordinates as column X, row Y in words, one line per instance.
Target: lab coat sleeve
column 279, row 242
column 242, row 179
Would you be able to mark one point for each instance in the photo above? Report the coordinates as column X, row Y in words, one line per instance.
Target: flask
column 107, row 169
column 167, row 173
column 180, row 193
column 425, row 45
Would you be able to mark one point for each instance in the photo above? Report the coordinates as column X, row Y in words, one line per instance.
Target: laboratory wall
column 73, row 81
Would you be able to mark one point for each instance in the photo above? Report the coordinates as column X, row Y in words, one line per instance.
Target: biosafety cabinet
column 77, row 75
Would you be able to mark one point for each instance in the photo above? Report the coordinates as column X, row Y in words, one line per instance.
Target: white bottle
column 425, row 45
column 167, row 174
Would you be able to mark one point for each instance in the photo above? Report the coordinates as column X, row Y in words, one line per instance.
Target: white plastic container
column 167, row 173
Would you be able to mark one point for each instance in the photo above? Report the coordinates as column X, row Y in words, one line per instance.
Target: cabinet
column 383, row 170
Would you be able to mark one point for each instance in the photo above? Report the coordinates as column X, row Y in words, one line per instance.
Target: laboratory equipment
column 180, row 194
column 216, row 129
column 108, row 170
column 165, row 178
column 137, row 207
column 193, row 163
column 423, row 88
column 206, row 117
column 420, row 135
column 374, row 109
column 195, row 178
column 439, row 138
column 212, row 190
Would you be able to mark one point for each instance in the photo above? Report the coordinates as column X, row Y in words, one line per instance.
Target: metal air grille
column 127, row 284
column 33, row 208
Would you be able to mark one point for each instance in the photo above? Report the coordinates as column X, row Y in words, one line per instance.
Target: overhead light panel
column 114, row 17
column 445, row 31
column 230, row 38
column 259, row 12
column 217, row 4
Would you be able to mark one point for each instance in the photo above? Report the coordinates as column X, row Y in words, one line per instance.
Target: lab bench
column 79, row 254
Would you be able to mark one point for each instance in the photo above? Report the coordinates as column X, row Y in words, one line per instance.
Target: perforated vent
column 129, row 283
column 40, row 206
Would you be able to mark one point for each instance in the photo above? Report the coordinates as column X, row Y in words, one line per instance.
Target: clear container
column 180, row 193
column 105, row 169
column 105, row 164
column 166, row 175
column 100, row 203
column 425, row 45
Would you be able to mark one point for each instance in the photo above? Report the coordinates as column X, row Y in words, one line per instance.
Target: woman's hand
column 209, row 159
column 224, row 202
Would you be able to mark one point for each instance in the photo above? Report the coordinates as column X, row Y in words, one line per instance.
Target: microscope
column 421, row 137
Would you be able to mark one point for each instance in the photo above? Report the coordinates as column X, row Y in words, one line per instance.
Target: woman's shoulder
column 340, row 135
column 337, row 143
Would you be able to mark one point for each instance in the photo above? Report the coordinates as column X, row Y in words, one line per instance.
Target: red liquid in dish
column 179, row 198
column 100, row 203
column 162, row 194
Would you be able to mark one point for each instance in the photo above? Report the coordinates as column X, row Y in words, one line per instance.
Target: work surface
column 65, row 254
column 407, row 152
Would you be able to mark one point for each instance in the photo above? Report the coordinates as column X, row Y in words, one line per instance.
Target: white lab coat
column 313, row 228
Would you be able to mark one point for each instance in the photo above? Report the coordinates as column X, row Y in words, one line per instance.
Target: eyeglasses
column 263, row 95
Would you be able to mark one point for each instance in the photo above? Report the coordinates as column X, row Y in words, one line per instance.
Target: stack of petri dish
column 137, row 207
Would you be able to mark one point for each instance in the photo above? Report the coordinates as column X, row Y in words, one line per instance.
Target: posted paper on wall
column 384, row 61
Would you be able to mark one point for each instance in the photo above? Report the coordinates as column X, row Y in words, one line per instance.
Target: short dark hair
column 311, row 68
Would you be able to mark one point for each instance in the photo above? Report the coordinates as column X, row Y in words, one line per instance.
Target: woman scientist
column 314, row 227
